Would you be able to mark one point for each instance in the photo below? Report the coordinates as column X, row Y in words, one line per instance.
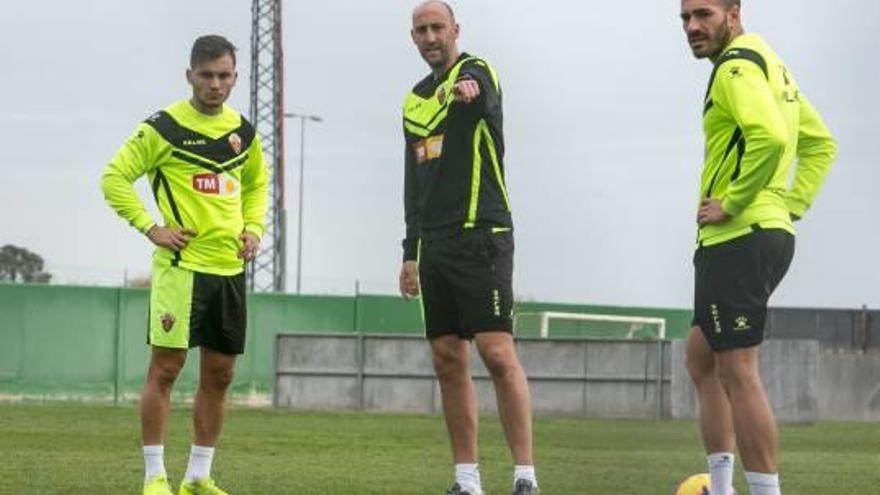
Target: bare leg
column 165, row 366
column 215, row 376
column 511, row 391
column 452, row 365
column 753, row 418
column 716, row 420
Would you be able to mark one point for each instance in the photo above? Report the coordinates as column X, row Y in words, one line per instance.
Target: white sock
column 524, row 473
column 468, row 477
column 200, row 459
column 763, row 484
column 154, row 462
column 721, row 472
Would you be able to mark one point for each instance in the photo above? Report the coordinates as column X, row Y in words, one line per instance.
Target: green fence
column 61, row 342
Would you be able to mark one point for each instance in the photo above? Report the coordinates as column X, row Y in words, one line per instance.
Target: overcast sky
column 602, row 123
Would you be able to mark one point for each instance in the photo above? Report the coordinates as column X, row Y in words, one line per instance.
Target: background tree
column 17, row 264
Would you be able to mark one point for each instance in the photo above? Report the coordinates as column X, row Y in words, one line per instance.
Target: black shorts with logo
column 733, row 282
column 467, row 283
column 191, row 309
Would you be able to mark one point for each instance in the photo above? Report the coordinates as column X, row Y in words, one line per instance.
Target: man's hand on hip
column 172, row 238
column 711, row 212
column 250, row 245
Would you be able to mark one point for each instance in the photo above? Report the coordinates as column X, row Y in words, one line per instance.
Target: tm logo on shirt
column 220, row 185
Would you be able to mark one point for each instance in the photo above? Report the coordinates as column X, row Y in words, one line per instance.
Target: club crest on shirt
column 235, row 143
column 441, row 95
column 168, row 321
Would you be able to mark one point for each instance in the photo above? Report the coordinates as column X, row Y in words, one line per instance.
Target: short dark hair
column 731, row 3
column 210, row 47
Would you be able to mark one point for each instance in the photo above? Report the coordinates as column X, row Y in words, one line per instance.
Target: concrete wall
column 789, row 369
column 849, row 386
column 805, row 381
column 583, row 378
column 586, row 378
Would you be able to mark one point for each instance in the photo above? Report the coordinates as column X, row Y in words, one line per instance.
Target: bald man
column 458, row 250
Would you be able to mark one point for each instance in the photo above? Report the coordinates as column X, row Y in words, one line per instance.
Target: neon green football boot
column 158, row 486
column 200, row 487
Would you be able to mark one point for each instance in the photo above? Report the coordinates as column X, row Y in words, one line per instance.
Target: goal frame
column 546, row 316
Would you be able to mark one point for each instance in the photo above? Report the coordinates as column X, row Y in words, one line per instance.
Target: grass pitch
column 95, row 450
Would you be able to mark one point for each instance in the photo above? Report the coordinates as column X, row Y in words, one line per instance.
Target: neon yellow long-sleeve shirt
column 756, row 122
column 207, row 174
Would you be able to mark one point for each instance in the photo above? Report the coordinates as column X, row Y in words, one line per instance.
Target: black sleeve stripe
column 745, row 54
column 735, row 54
column 166, row 126
column 709, row 104
column 741, row 151
column 157, row 181
column 161, row 179
column 735, row 139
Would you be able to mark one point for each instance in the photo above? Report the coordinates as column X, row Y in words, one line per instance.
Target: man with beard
column 756, row 122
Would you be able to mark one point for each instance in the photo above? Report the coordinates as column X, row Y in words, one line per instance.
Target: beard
column 715, row 42
column 719, row 41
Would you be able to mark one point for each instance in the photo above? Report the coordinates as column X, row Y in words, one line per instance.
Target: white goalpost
column 633, row 324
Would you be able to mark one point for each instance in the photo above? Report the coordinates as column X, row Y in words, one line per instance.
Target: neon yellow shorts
column 170, row 306
column 191, row 309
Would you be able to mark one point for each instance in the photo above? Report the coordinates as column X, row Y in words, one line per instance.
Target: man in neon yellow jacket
column 205, row 166
column 756, row 123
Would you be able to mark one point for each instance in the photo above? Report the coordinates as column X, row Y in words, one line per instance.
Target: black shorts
column 191, row 309
column 733, row 283
column 467, row 283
